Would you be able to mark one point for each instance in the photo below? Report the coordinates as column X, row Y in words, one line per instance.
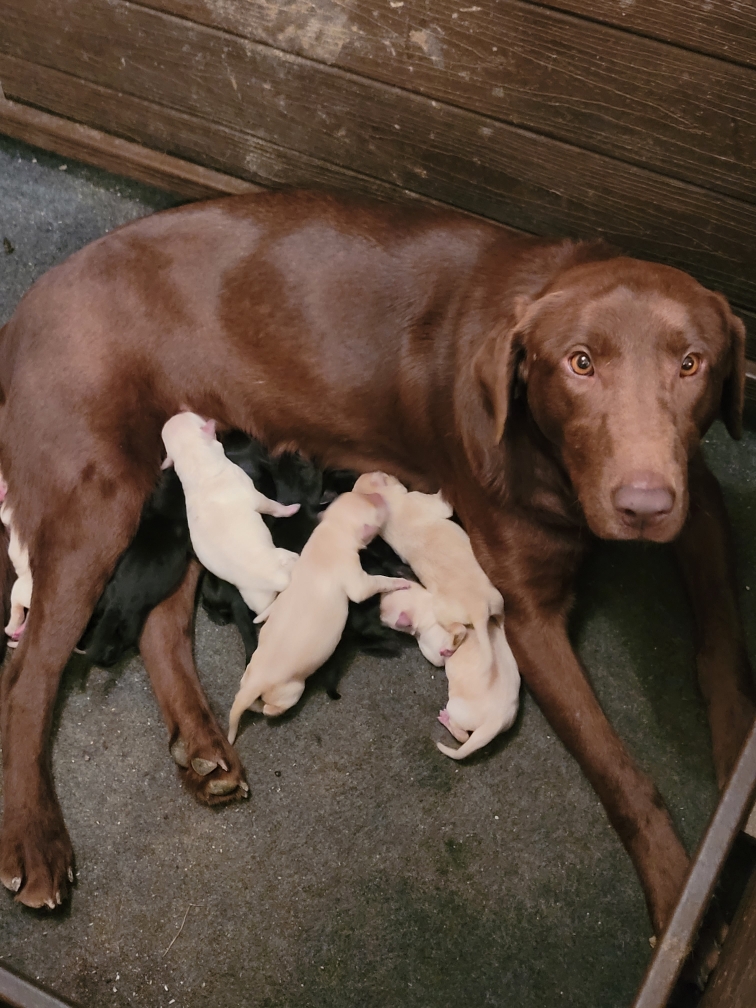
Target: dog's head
column 624, row 365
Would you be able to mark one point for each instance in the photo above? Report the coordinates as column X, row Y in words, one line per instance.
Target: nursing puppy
column 304, row 624
column 148, row 571
column 439, row 552
column 21, row 592
column 223, row 511
column 483, row 701
column 412, row 612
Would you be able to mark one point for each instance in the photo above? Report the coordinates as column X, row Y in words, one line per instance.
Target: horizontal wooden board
column 749, row 318
column 650, row 104
column 411, row 142
column 163, row 129
column 71, row 139
column 724, row 28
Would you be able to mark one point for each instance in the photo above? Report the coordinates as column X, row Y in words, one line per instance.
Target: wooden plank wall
column 635, row 119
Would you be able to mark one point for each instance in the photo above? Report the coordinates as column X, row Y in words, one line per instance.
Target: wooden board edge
column 122, row 157
column 22, row 993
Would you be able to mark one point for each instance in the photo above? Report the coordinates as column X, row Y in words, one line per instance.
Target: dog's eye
column 581, row 363
column 691, row 363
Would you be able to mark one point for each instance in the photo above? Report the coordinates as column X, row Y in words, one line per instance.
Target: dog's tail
column 480, row 737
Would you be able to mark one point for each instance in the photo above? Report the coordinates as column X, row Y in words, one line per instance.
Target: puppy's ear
column 403, row 621
column 208, row 427
column 458, row 632
column 733, row 389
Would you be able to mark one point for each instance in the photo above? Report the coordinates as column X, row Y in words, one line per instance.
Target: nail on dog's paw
column 211, row 781
column 203, row 767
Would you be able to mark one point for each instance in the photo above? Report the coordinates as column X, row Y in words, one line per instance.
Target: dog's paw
column 210, row 768
column 36, row 857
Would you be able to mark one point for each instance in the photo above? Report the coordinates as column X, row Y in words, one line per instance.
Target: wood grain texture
column 405, row 140
column 637, row 99
column 163, row 129
column 94, row 147
column 733, row 983
column 724, row 28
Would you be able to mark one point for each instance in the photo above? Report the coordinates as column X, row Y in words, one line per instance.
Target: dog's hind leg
column 71, row 566
column 209, row 766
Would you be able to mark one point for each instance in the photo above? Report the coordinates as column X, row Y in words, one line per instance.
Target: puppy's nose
column 644, row 499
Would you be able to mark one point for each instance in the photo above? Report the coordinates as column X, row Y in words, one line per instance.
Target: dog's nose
column 644, row 499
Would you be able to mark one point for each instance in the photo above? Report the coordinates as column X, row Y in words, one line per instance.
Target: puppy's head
column 624, row 365
column 182, row 429
column 381, row 483
column 365, row 513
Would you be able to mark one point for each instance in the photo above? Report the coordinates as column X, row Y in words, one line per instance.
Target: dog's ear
column 403, row 621
column 208, row 427
column 498, row 362
column 733, row 389
column 495, row 366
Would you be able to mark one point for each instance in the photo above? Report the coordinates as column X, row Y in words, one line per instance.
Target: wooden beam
column 733, row 983
column 679, row 938
column 20, row 993
column 122, row 157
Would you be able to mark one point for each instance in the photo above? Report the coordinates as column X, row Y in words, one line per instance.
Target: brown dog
column 546, row 388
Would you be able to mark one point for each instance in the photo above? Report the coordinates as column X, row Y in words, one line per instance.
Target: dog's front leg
column 706, row 557
column 635, row 808
column 209, row 766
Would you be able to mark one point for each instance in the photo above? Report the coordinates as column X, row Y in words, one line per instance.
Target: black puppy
column 150, row 570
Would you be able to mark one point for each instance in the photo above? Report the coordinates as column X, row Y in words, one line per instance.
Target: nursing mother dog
column 550, row 389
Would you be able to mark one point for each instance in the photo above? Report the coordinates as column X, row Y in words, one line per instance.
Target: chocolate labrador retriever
column 550, row 389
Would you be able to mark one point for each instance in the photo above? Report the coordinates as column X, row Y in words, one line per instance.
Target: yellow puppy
column 439, row 552
column 21, row 592
column 482, row 702
column 412, row 612
column 304, row 624
column 223, row 510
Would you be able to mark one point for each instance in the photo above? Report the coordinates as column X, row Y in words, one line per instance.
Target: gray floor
column 367, row 869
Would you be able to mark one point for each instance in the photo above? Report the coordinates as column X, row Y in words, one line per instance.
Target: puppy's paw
column 210, row 768
column 36, row 856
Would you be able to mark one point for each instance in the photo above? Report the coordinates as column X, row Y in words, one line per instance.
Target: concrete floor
column 366, row 869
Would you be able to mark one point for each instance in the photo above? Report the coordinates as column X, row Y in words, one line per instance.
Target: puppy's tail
column 249, row 691
column 480, row 737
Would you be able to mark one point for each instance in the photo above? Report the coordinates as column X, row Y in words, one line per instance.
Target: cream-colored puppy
column 21, row 592
column 223, row 511
column 412, row 612
column 439, row 552
column 482, row 702
column 305, row 623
